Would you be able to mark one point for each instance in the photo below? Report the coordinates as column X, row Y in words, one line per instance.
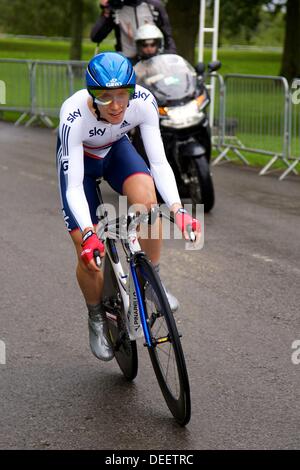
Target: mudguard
column 192, row 150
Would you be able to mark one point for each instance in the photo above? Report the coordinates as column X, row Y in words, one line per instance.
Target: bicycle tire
column 125, row 350
column 180, row 403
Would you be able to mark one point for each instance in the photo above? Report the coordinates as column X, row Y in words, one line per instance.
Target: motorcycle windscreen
column 168, row 76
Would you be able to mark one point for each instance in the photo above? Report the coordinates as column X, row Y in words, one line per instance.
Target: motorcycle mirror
column 215, row 65
column 200, row 68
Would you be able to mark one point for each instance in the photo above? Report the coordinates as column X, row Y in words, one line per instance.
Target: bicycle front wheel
column 165, row 351
column 125, row 350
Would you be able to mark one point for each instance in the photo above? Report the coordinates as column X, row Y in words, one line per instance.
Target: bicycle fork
column 137, row 304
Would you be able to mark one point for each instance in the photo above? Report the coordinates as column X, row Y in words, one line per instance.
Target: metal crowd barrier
column 16, row 75
column 252, row 113
column 37, row 88
column 216, row 87
column 294, row 128
column 53, row 83
column 255, row 118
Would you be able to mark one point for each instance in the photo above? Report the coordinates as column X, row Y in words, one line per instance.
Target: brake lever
column 97, row 258
column 191, row 233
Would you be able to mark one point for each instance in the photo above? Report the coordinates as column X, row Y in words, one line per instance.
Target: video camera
column 117, row 4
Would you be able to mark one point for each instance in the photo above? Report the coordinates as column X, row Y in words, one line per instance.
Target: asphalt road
column 239, row 317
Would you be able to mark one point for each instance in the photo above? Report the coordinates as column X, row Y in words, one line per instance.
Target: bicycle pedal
column 161, row 340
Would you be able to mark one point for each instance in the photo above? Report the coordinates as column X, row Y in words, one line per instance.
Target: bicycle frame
column 129, row 286
column 129, row 289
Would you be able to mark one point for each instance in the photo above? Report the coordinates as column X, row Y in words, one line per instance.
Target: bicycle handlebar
column 132, row 220
column 191, row 233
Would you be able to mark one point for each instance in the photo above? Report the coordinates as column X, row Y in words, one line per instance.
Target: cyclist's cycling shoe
column 174, row 304
column 99, row 336
column 150, row 295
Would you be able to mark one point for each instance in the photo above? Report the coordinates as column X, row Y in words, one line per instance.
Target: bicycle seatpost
column 98, row 182
column 101, row 212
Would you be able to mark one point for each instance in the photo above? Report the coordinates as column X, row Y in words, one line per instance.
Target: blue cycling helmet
column 108, row 71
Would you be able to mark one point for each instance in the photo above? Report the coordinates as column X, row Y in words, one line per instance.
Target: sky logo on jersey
column 113, row 83
column 72, row 116
column 125, row 124
column 95, row 131
column 142, row 95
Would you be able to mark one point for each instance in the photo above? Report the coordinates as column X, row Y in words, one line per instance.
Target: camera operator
column 125, row 17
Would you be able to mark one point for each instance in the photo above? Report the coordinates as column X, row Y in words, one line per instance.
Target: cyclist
column 92, row 142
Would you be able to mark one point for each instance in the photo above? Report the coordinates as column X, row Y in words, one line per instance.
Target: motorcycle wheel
column 201, row 186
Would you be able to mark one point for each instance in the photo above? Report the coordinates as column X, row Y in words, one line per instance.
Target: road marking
column 2, row 353
column 31, row 175
column 282, row 264
column 262, row 258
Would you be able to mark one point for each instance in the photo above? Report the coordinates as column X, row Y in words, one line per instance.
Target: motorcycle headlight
column 180, row 117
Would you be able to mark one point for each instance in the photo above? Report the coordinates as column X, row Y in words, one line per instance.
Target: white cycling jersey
column 80, row 133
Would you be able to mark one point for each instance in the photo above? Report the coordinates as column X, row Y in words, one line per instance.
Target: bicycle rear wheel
column 125, row 350
column 166, row 351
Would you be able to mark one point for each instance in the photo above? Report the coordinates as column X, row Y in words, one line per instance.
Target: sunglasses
column 106, row 96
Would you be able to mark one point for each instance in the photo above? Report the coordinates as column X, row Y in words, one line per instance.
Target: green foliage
column 251, row 22
column 269, row 32
column 40, row 17
column 240, row 21
column 237, row 14
column 35, row 17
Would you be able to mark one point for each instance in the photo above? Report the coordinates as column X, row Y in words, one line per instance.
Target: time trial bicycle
column 136, row 306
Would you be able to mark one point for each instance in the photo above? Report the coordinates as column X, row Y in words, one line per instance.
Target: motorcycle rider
column 149, row 42
column 170, row 77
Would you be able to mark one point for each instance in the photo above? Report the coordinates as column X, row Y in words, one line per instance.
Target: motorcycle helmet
column 149, row 41
column 109, row 70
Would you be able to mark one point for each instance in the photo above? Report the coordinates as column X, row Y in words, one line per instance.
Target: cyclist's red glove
column 89, row 244
column 186, row 222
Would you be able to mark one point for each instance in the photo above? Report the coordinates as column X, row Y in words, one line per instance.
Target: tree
column 290, row 64
column 184, row 18
column 49, row 18
column 234, row 14
column 83, row 12
column 35, row 17
column 237, row 13
column 76, row 29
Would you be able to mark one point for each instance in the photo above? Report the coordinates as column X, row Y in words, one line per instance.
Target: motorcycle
column 182, row 98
